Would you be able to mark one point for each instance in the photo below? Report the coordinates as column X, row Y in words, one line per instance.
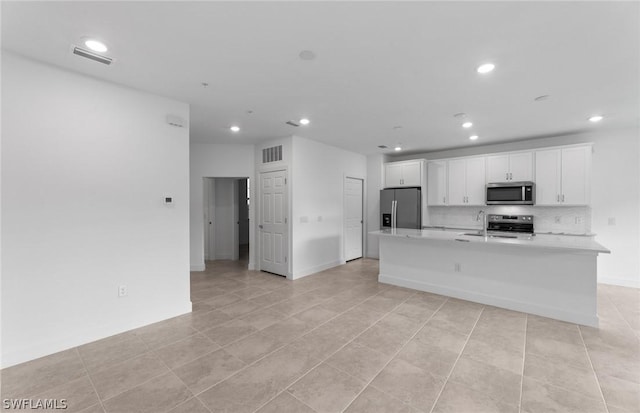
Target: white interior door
column 353, row 218
column 273, row 222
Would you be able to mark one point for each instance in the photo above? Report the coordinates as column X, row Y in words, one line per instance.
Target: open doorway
column 244, row 203
column 226, row 220
column 353, row 218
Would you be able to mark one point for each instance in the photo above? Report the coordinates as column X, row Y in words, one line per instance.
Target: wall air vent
column 292, row 123
column 93, row 56
column 272, row 154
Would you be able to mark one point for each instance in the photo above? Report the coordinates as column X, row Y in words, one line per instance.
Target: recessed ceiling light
column 596, row 118
column 397, row 148
column 304, row 121
column 235, row 128
column 96, row 46
column 307, row 55
column 467, row 125
column 473, row 137
column 486, row 68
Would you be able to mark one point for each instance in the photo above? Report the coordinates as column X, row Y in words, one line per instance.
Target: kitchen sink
column 476, row 234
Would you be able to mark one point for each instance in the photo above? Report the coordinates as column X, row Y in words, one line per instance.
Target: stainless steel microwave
column 511, row 193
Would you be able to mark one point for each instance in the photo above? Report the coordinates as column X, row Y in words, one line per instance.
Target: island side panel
column 548, row 282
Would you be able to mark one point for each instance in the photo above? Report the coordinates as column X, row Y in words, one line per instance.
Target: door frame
column 344, row 215
column 209, row 215
column 256, row 188
column 208, row 198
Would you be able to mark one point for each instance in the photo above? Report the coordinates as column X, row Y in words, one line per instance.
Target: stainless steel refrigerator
column 401, row 208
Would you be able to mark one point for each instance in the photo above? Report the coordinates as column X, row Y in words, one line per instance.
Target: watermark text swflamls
column 34, row 404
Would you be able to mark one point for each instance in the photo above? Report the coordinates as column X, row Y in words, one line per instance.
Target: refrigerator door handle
column 394, row 206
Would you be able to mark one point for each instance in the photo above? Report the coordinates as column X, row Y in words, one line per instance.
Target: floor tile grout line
column 112, row 364
column 151, row 352
column 134, row 387
column 93, row 386
column 337, row 350
column 290, row 394
column 187, row 401
column 524, row 359
column 285, row 345
column 635, row 333
column 393, row 356
column 593, row 370
column 185, row 384
column 446, row 380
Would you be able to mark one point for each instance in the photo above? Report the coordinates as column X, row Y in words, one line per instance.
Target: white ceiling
column 378, row 65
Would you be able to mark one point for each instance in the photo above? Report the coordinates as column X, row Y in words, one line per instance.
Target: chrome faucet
column 484, row 221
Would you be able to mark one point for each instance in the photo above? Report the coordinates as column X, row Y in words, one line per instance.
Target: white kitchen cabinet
column 514, row 166
column 466, row 181
column 475, row 180
column 548, row 177
column 403, row 174
column 563, row 176
column 457, row 182
column 437, row 183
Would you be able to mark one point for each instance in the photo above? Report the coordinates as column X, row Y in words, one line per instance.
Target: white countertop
column 562, row 242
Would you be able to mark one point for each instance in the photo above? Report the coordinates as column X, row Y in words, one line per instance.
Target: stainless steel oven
column 511, row 193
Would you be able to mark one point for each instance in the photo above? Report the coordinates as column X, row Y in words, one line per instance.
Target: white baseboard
column 622, row 282
column 317, row 268
column 77, row 338
column 224, row 257
column 198, row 267
column 524, row 307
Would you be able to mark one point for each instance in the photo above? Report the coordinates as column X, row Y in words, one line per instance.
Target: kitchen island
column 549, row 275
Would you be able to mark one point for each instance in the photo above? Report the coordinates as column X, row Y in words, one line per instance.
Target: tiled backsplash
column 568, row 220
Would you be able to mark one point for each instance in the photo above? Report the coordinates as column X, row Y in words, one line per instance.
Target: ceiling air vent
column 93, row 56
column 272, row 154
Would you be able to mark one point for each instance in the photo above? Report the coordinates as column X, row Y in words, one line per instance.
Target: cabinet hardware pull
column 562, row 197
column 506, row 175
column 444, row 200
column 557, row 198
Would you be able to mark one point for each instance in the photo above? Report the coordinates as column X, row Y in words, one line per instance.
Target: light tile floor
column 340, row 341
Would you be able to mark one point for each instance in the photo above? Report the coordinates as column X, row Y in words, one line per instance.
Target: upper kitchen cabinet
column 403, row 174
column 563, row 176
column 437, row 183
column 466, row 181
column 507, row 167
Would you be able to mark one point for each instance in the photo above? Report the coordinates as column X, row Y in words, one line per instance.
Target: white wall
column 216, row 160
column 615, row 193
column 85, row 167
column 317, row 213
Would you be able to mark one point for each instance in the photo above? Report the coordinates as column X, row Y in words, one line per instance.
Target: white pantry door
column 273, row 222
column 353, row 218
